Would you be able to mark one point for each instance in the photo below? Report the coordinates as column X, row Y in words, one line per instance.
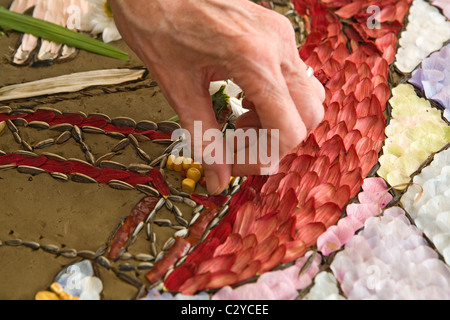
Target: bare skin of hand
column 186, row 44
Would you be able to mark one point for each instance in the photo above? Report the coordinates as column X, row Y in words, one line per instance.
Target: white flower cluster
column 428, row 203
column 79, row 281
column 390, row 260
column 325, row 288
column 426, row 32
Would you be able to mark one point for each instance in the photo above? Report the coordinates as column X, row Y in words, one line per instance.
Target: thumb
column 193, row 105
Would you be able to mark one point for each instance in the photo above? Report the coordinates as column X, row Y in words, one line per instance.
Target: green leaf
column 56, row 33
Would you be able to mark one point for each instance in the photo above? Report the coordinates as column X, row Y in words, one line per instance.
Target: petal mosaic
column 415, row 132
column 427, row 202
column 390, row 259
column 426, row 32
column 359, row 210
column 433, row 77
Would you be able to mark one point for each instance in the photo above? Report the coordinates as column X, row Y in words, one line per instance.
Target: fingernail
column 212, row 183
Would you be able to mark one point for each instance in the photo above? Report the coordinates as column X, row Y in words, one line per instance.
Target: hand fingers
column 274, row 106
column 194, row 107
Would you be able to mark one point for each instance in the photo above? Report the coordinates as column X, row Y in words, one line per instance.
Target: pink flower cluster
column 373, row 198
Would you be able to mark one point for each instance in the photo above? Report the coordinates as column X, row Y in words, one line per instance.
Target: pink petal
column 329, row 242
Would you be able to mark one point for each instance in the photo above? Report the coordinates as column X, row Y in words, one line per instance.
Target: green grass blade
column 56, row 33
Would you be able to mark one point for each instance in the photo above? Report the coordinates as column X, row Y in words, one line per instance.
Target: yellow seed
column 187, row 162
column 188, row 186
column 194, row 174
column 65, row 296
column 76, row 298
column 178, row 164
column 198, row 166
column 170, row 162
column 57, row 288
column 46, row 295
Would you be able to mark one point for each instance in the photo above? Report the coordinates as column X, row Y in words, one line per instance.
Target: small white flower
column 232, row 90
column 100, row 19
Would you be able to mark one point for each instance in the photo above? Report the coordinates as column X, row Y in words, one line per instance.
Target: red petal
column 197, row 230
column 250, row 270
column 287, row 205
column 310, row 233
column 368, row 161
column 204, row 251
column 348, row 115
column 341, row 53
column 301, row 165
column 286, row 231
column 331, row 150
column 12, row 158
column 159, row 182
column 322, row 194
column 350, row 69
column 98, row 122
column 363, row 89
column 276, row 258
column 309, row 147
column 136, row 178
column 294, row 250
column 74, row 119
column 221, row 263
column 388, row 13
column 242, row 259
column 178, row 250
column 322, row 163
column 320, row 132
column 286, row 162
column 41, row 115
column 382, row 92
column 88, row 170
column 221, row 232
column 222, row 279
column 352, row 138
column 309, row 181
column 192, row 285
column 331, row 114
column 244, row 219
column 350, row 10
column 290, row 181
column 272, row 183
column 342, row 197
column 351, row 84
column 349, row 161
column 333, row 175
column 33, row 162
column 363, row 146
column 108, row 174
column 124, row 130
column 265, row 226
column 305, row 214
column 265, row 249
column 52, row 165
column 249, row 241
column 246, row 194
column 353, row 180
column 331, row 67
column 269, row 204
column 339, row 130
column 232, row 244
column 328, row 214
column 177, row 278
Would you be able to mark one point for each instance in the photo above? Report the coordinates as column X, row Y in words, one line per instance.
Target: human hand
column 186, row 44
